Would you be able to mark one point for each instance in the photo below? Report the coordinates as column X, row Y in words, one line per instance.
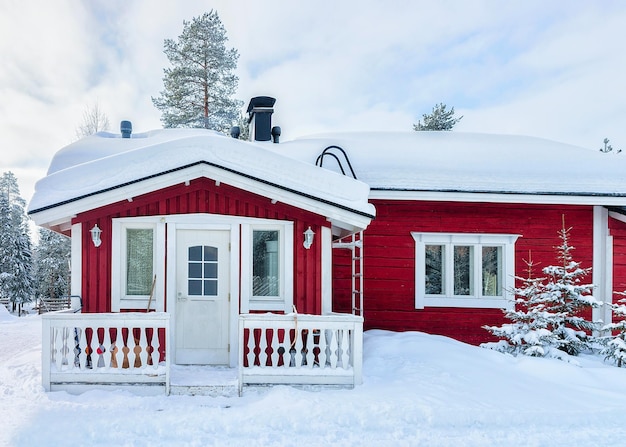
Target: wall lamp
column 95, row 235
column 309, row 235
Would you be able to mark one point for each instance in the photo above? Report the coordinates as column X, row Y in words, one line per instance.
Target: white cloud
column 544, row 69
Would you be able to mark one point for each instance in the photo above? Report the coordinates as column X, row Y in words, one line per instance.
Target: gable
column 162, row 159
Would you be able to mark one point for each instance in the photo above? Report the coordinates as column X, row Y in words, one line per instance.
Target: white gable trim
column 350, row 218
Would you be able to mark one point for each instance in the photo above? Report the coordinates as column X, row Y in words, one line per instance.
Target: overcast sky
column 552, row 69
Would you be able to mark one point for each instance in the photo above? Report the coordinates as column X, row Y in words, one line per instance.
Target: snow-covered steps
column 203, row 380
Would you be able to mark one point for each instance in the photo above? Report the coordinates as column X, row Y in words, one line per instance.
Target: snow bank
column 418, row 390
column 5, row 315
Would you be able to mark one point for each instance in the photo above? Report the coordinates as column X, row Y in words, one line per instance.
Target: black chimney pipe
column 260, row 112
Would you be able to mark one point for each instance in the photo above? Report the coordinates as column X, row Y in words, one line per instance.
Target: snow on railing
column 83, row 350
column 300, row 349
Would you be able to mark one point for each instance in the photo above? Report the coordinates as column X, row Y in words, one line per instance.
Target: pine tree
column 438, row 119
column 51, row 262
column 15, row 246
column 199, row 86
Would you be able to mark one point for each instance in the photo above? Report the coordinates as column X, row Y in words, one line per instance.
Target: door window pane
column 202, row 271
column 265, row 263
column 463, row 270
column 434, row 279
column 139, row 258
column 492, row 271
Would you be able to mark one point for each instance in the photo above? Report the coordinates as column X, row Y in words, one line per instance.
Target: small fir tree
column 199, row 87
column 567, row 295
column 615, row 347
column 438, row 119
column 549, row 313
column 529, row 332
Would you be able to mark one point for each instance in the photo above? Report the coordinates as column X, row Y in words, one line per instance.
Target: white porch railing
column 85, row 351
column 300, row 349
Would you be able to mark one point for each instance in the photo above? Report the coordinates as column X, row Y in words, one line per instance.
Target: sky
column 547, row 69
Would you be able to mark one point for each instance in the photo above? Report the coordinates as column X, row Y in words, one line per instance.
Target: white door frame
column 203, row 223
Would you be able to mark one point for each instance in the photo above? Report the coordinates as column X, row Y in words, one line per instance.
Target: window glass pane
column 139, row 258
column 463, row 270
column 210, row 270
column 195, row 253
column 434, row 280
column 210, row 287
column 195, row 287
column 492, row 271
column 265, row 263
column 195, row 270
column 210, row 253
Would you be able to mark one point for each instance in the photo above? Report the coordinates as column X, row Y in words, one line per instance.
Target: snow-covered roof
column 99, row 165
column 467, row 162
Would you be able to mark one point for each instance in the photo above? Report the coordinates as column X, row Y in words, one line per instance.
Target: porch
column 130, row 351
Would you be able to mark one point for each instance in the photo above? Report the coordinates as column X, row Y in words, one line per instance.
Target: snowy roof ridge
column 104, row 162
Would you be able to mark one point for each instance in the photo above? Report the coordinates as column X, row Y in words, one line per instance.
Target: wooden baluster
column 288, row 343
column 275, row 346
column 106, row 345
column 263, row 348
column 321, row 358
column 82, row 344
column 333, row 348
column 143, row 344
column 251, row 346
column 345, row 354
column 65, row 350
column 56, row 347
column 310, row 355
column 155, row 348
column 299, row 347
column 115, row 362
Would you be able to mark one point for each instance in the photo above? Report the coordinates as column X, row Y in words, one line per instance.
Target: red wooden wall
column 201, row 196
column 389, row 258
column 618, row 231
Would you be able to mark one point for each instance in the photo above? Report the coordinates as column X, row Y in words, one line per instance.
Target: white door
column 202, row 296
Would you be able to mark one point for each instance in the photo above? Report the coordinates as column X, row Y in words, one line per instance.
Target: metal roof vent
column 126, row 127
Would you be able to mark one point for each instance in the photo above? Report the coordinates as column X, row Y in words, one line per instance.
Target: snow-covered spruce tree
column 548, row 314
column 438, row 119
column 529, row 332
column 199, row 87
column 51, row 265
column 615, row 347
column 15, row 245
column 567, row 296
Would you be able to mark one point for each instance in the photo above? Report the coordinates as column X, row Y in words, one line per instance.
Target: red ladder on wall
column 354, row 243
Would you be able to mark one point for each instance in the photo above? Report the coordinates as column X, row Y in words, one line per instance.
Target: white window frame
column 284, row 300
column 477, row 241
column 119, row 299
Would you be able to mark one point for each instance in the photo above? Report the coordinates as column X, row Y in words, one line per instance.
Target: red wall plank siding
column 618, row 231
column 200, row 196
column 389, row 258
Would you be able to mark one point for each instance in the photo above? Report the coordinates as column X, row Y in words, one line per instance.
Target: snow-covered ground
column 418, row 390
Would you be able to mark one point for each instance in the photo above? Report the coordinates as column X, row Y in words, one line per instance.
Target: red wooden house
column 267, row 257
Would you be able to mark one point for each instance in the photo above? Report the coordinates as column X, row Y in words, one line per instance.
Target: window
column 202, row 271
column 267, row 284
column 139, row 265
column 135, row 262
column 463, row 270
